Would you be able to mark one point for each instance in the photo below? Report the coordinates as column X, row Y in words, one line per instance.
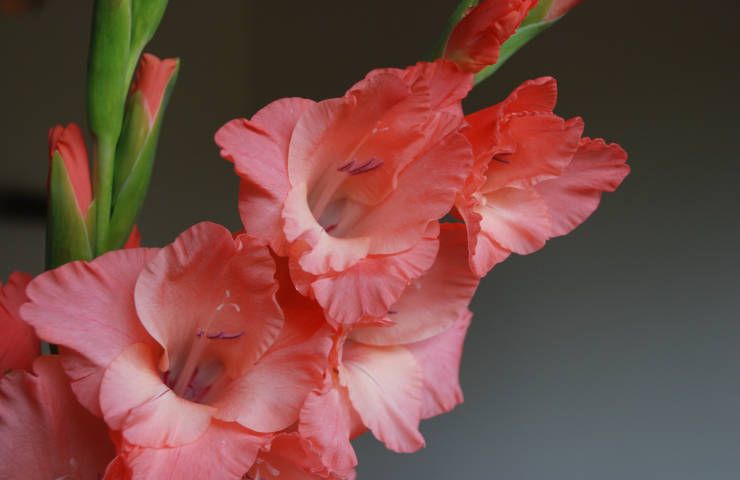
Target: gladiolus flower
column 534, row 178
column 330, row 184
column 476, row 40
column 290, row 457
column 19, row 345
column 184, row 351
column 44, row 432
column 387, row 378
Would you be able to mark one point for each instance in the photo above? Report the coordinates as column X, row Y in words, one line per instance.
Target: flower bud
column 476, row 40
column 137, row 146
column 488, row 34
column 70, row 197
column 551, row 10
column 121, row 30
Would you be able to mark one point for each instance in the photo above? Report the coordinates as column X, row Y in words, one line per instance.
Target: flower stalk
column 124, row 127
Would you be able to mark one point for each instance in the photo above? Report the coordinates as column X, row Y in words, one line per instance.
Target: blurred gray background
column 612, row 354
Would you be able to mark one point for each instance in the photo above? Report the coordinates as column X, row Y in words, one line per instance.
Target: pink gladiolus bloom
column 534, row 178
column 151, row 80
column 70, row 143
column 290, row 457
column 351, row 188
column 44, row 432
column 184, row 351
column 388, row 378
column 19, row 345
column 476, row 41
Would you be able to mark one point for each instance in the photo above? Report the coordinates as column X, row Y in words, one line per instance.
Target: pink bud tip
column 152, row 78
column 560, row 8
column 70, row 143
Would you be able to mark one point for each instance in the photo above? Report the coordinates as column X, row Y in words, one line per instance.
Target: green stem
column 105, row 158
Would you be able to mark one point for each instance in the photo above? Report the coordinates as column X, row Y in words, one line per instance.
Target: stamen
column 232, row 305
column 346, row 166
column 224, row 336
column 392, row 312
column 371, row 164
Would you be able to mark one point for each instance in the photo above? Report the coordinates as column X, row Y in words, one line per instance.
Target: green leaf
column 68, row 232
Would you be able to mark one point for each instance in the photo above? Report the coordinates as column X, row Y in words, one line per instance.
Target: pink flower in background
column 44, row 432
column 69, row 143
column 191, row 359
column 388, row 378
column 476, row 40
column 330, row 184
column 19, row 345
column 534, row 176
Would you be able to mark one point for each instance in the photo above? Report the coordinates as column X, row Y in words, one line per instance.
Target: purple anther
column 231, row 336
column 200, row 332
column 371, row 164
column 346, row 167
column 224, row 336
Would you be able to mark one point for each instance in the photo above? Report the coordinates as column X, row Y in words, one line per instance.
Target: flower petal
column 380, row 118
column 259, row 150
column 439, row 358
column 206, row 283
column 135, row 400
column 68, row 303
column 225, row 451
column 290, row 457
column 446, row 83
column 44, row 432
column 327, row 422
column 430, row 183
column 431, row 304
column 534, row 147
column 385, row 387
column 268, row 398
column 19, row 345
column 572, row 197
column 516, row 219
column 368, row 289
